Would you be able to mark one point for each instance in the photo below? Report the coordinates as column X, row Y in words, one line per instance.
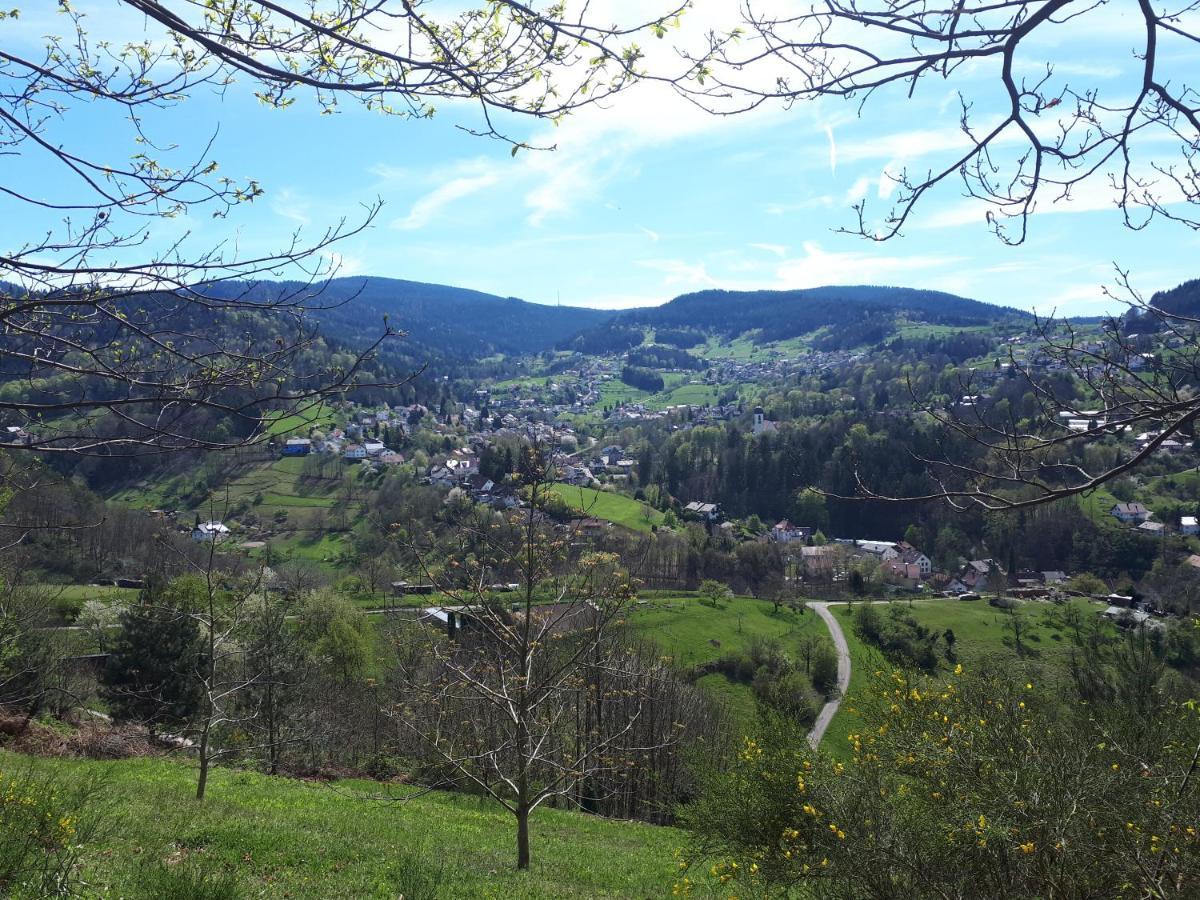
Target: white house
column 709, row 511
column 354, row 451
column 1189, row 525
column 911, row 556
column 1130, row 512
column 784, row 532
column 209, row 531
column 884, row 550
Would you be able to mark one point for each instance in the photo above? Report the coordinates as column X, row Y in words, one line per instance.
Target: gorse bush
column 40, row 833
column 970, row 786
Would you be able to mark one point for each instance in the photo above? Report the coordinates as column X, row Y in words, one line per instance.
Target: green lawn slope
column 279, row 837
column 616, row 508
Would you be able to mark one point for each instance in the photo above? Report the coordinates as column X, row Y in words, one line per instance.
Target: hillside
column 258, row 836
column 784, row 314
column 449, row 320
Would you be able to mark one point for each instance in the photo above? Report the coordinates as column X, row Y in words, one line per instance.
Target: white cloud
column 456, row 188
column 291, row 206
column 818, row 267
column 777, row 249
column 679, row 273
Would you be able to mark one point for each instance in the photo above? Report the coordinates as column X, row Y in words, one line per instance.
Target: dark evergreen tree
column 151, row 674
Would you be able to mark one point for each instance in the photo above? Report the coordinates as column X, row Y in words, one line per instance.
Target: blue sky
column 648, row 197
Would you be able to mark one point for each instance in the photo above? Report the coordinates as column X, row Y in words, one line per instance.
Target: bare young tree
column 526, row 694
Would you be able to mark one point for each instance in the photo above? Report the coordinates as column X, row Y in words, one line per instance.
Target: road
column 843, row 673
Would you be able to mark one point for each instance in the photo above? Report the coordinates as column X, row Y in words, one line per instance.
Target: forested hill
column 1183, row 300
column 451, row 321
column 778, row 315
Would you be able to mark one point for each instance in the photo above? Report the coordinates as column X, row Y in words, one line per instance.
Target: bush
column 824, row 671
column 971, row 786
column 40, row 833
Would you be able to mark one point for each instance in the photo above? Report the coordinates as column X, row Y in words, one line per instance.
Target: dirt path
column 843, row 673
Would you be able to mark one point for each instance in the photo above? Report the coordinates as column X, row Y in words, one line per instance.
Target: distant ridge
column 852, row 315
column 451, row 320
column 783, row 314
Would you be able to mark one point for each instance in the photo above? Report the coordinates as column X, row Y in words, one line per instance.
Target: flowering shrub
column 39, row 835
column 969, row 785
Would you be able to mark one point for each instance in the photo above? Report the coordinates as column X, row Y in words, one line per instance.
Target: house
column 1189, row 525
column 710, row 511
column 819, row 561
column 463, row 466
column 14, row 434
column 911, row 556
column 480, row 485
column 354, row 451
column 784, row 532
column 391, row 458
column 1130, row 512
column 588, row 527
column 881, row 550
column 979, row 575
column 1152, row 528
column 209, row 531
column 297, row 446
column 374, row 448
column 401, row 588
column 1130, row 618
column 1054, row 577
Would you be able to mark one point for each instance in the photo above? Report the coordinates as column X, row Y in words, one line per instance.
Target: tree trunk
column 272, row 737
column 202, row 782
column 522, row 837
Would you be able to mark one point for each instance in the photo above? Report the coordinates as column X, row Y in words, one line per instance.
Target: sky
column 645, row 197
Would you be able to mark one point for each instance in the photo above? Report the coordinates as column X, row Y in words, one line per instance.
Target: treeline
column 644, row 379
column 656, row 356
column 611, row 337
column 683, row 338
column 778, row 315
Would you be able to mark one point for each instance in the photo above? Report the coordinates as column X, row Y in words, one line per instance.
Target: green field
column 924, row 330
column 616, row 508
column 981, row 633
column 615, row 391
column 285, row 838
column 319, row 416
column 981, row 638
column 685, row 629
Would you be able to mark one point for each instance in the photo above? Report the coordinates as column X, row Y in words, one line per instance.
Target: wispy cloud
column 680, row 273
column 424, row 210
column 290, row 205
column 817, row 267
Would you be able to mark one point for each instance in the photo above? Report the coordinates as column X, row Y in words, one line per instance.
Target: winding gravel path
column 843, row 673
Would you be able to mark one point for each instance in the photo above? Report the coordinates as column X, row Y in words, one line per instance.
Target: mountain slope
column 784, row 314
column 450, row 320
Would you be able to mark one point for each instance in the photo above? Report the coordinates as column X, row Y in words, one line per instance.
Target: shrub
column 969, row 786
column 40, row 833
column 824, row 671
